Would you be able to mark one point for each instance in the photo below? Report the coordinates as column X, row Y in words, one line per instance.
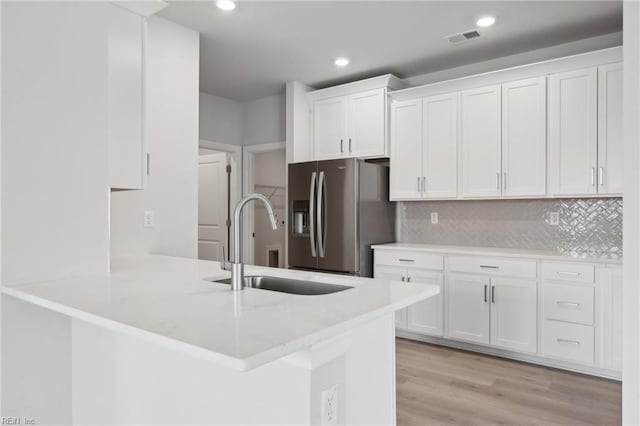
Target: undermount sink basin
column 287, row 285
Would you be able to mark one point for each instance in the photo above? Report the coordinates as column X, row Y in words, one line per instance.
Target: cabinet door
column 609, row 321
column 394, row 274
column 481, row 142
column 573, row 132
column 427, row 316
column 405, row 171
column 440, row 146
column 468, row 307
column 610, row 137
column 367, row 119
column 524, row 137
column 330, row 128
column 514, row 314
column 126, row 154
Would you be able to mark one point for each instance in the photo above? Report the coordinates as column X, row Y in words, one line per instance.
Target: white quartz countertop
column 492, row 251
column 168, row 300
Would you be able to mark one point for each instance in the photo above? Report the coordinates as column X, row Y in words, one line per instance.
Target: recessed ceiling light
column 341, row 62
column 226, row 4
column 485, row 21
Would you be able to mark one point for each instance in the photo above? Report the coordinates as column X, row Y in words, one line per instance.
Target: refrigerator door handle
column 312, row 199
column 321, row 235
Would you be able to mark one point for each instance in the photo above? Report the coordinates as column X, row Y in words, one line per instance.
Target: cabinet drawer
column 576, row 272
column 571, row 342
column 493, row 266
column 573, row 303
column 409, row 259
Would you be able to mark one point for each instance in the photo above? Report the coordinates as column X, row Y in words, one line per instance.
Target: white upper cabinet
column 405, row 174
column 330, row 127
column 481, row 142
column 440, row 146
column 573, row 144
column 367, row 124
column 524, row 130
column 126, row 154
column 610, row 137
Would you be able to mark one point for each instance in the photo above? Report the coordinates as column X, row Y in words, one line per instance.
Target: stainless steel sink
column 287, row 285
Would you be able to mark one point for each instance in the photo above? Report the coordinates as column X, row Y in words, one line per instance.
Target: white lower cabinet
column 425, row 317
column 568, row 316
column 498, row 311
column 514, row 314
column 468, row 307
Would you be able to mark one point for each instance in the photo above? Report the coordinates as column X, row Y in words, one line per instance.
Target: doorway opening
column 266, row 173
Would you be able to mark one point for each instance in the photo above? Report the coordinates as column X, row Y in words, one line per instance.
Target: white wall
column 264, row 120
column 242, row 123
column 54, row 140
column 172, row 93
column 220, row 119
column 631, row 231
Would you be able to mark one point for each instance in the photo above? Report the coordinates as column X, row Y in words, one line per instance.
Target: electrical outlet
column 330, row 406
column 149, row 218
column 434, row 218
column 554, row 218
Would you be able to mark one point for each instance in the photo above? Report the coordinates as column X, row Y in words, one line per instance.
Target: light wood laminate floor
column 438, row 385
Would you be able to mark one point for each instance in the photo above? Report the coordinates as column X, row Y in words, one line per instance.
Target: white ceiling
column 254, row 50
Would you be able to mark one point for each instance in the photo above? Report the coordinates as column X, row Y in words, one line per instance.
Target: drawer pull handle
column 570, row 342
column 489, row 267
column 408, row 279
column 564, row 303
column 485, row 293
column 406, row 260
column 403, row 279
column 572, row 274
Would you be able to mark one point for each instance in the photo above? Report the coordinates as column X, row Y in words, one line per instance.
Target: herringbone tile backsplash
column 588, row 227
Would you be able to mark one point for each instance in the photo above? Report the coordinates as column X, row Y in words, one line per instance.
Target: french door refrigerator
column 337, row 210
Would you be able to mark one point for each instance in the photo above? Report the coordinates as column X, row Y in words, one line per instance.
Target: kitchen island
column 157, row 341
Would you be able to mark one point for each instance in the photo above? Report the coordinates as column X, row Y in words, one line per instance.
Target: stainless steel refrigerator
column 337, row 210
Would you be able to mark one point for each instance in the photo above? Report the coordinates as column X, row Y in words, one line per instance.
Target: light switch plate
column 149, row 218
column 434, row 218
column 554, row 218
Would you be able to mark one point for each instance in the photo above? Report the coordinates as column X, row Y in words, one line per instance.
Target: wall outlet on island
column 330, row 406
column 434, row 218
column 554, row 218
column 148, row 218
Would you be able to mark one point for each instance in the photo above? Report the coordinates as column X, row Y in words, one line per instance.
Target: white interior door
column 481, row 142
column 212, row 206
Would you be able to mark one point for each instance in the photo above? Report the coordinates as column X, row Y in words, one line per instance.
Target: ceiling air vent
column 460, row 37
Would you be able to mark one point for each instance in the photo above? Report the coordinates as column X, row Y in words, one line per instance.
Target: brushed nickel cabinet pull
column 485, row 293
column 564, row 303
column 408, row 279
column 497, row 180
column 601, row 176
column 493, row 294
column 504, row 180
column 403, row 278
column 341, row 146
column 406, row 260
column 349, row 145
column 570, row 342
column 593, row 176
column 489, row 267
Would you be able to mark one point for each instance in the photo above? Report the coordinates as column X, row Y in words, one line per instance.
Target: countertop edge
column 238, row 364
column 492, row 251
